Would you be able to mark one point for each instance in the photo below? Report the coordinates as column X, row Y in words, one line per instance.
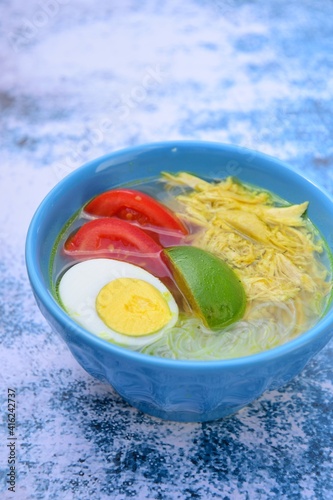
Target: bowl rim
column 54, row 309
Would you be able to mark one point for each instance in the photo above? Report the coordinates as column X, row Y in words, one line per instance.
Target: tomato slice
column 109, row 234
column 134, row 206
column 116, row 239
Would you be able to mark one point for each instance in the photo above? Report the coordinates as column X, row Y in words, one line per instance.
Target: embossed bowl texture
column 192, row 391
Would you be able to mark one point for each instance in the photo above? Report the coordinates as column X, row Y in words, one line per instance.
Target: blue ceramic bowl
column 176, row 390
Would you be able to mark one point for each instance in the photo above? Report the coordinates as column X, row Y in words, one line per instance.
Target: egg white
column 80, row 285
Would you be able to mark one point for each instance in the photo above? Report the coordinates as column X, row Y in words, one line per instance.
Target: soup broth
column 274, row 250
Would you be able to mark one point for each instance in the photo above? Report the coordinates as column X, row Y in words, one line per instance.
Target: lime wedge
column 212, row 289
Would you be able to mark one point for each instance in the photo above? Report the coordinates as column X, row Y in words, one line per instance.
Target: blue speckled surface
column 78, row 81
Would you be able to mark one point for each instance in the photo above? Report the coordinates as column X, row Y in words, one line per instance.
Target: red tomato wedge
column 116, row 239
column 134, row 206
column 101, row 234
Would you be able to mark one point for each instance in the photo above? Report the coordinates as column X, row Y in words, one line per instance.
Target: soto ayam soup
column 186, row 268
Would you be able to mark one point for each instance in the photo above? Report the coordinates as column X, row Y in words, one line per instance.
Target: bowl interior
column 208, row 160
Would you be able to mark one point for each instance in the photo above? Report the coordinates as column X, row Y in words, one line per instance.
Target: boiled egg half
column 118, row 301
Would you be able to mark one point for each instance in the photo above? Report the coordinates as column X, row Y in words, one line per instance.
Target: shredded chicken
column 274, row 249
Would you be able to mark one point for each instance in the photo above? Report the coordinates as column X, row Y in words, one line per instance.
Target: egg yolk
column 132, row 307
